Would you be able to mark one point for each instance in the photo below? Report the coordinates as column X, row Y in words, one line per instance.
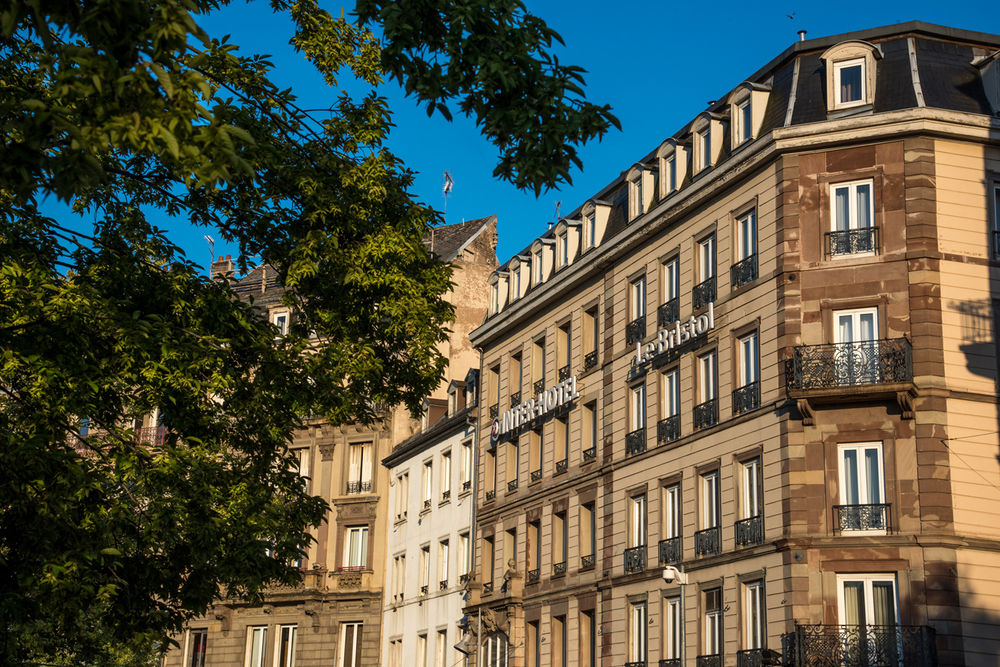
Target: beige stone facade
column 811, row 477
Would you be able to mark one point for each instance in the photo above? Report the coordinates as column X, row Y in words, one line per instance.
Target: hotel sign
column 673, row 339
column 545, row 402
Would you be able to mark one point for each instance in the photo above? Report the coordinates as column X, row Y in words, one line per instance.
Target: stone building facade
column 740, row 407
column 335, row 616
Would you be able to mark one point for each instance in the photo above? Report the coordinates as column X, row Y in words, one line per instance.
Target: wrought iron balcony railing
column 635, row 330
column 669, row 662
column 491, row 495
column 534, row 576
column 706, row 414
column 427, row 504
column 862, row 645
column 636, row 663
column 590, row 360
column 536, row 475
column 463, row 579
column 708, row 542
column 443, row 585
column 494, row 410
column 749, row 531
column 839, row 365
column 757, row 657
column 446, row 495
column 670, row 551
column 488, row 588
column 852, row 241
column 357, row 486
column 424, row 589
column 714, row 660
column 635, row 559
column 703, row 293
column 515, row 399
column 562, row 466
column 746, row 398
column 743, row 272
column 862, row 517
column 539, row 386
column 668, row 312
column 564, row 372
column 512, row 486
column 466, row 485
column 589, row 454
column 635, row 442
column 588, row 561
column 558, row 569
column 668, row 429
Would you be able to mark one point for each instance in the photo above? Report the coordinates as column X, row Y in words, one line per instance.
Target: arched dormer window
column 706, row 139
column 850, row 75
column 640, row 190
column 595, row 215
column 515, row 279
column 672, row 157
column 746, row 112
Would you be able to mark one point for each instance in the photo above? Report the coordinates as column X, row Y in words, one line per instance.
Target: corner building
column 780, row 324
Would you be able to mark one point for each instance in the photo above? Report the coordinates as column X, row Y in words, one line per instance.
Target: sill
column 446, row 501
column 852, row 255
column 862, row 533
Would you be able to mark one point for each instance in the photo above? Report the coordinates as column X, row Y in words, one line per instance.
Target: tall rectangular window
column 588, row 531
column 284, row 650
column 464, row 553
column 493, row 385
column 862, row 487
column 996, row 220
column 589, row 427
column 402, row 494
column 749, row 372
column 849, row 82
column 534, row 547
column 637, row 520
column 535, row 455
column 561, row 443
column 671, row 393
column 750, row 505
column 356, row 548
column 587, row 656
column 359, row 474
column 425, row 569
column 489, row 556
column 426, row 483
column 197, row 647
column 703, row 141
column 590, row 229
column 563, row 348
column 673, row 630
column 852, row 218
column 590, row 335
column 746, row 235
column 443, row 559
column 671, row 173
column 706, row 258
column 710, row 514
column 563, row 243
column 671, row 279
column 533, row 644
column 516, row 370
column 441, row 651
column 511, row 464
column 637, row 298
column 753, row 615
column 421, row 650
column 465, row 455
column 559, row 657
column 560, row 542
column 256, row 646
column 350, row 644
column 538, row 361
column 671, row 514
column 510, row 545
column 742, row 122
column 637, row 631
column 713, row 622
column 637, row 407
column 707, row 378
column 398, row 575
column 445, row 475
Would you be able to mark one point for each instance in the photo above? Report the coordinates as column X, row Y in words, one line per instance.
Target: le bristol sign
column 545, row 402
column 673, row 338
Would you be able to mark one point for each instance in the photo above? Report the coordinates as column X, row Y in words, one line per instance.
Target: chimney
column 802, row 35
column 222, row 267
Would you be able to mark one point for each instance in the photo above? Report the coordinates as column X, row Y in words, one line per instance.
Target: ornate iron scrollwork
column 743, row 272
column 635, row 559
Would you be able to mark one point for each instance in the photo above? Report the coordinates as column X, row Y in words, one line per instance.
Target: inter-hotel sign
column 671, row 338
column 545, row 402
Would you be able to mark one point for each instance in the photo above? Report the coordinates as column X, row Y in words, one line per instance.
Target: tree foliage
column 126, row 110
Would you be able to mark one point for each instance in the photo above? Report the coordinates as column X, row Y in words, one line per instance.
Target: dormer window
column 673, row 164
column 742, row 122
column 516, row 275
column 703, row 148
column 280, row 321
column 849, row 82
column 640, row 190
column 636, row 188
column 562, row 243
column 590, row 230
column 536, row 267
column 494, row 298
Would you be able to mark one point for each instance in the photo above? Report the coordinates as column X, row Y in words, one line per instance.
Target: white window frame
column 515, row 283
column 749, row 358
column 746, row 235
column 256, row 646
column 673, row 628
column 495, row 298
column 706, row 258
column 445, row 473
column 636, row 193
column 868, row 581
column 284, row 653
column 637, row 298
column 495, row 650
column 752, row 479
column 637, row 406
column 670, row 279
column 853, row 223
column 671, row 175
column 190, row 658
column 441, row 648
column 703, row 145
column 838, row 68
column 281, row 319
column 359, row 465
column 562, row 242
column 427, row 479
column 845, row 371
column 670, row 383
column 865, row 492
column 710, row 510
column 356, row 547
column 671, row 511
column 707, row 377
column 444, row 548
column 465, row 552
column 466, row 461
column 422, row 649
column 638, row 631
column 754, row 615
column 713, row 626
column 590, row 229
column 638, row 535
column 424, row 566
column 742, row 116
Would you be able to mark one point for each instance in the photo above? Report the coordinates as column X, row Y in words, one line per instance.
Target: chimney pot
column 802, row 35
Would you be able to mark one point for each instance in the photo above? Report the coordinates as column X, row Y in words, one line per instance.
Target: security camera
column 671, row 575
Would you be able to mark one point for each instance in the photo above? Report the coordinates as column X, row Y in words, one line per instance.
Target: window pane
column 883, row 603
column 850, row 83
column 841, row 209
column 854, row 607
column 864, row 206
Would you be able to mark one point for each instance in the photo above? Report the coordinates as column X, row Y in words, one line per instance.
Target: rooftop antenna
column 211, row 251
column 449, row 184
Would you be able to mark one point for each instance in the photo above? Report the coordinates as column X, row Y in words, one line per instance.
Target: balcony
column 463, row 579
column 706, row 414
column 590, row 360
column 446, row 495
column 534, row 576
column 589, row 454
column 703, row 293
column 539, row 386
column 515, row 399
column 512, row 486
column 750, row 532
column 467, row 485
column 670, row 551
column 861, row 646
column 708, row 542
column 636, row 663
column 668, row 313
column 424, row 589
column 635, row 442
column 852, row 242
column 491, row 495
column 743, row 272
column 427, row 504
column 635, row 330
column 746, row 398
column 876, row 365
column 559, row 569
column 670, row 662
column 709, row 660
column 536, row 476
column 862, row 517
column 564, row 373
column 635, row 559
column 588, row 561
column 562, row 466
column 494, row 410
column 443, row 585
column 757, row 657
column 354, row 487
column 668, row 430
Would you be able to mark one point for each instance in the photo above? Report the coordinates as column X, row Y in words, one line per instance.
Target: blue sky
column 656, row 63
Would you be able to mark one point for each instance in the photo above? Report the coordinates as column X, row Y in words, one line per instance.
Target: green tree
column 124, row 109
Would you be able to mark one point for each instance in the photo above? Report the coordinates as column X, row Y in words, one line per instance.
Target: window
column 302, row 463
column 852, row 219
column 359, row 474
column 637, row 407
column 533, row 642
column 589, row 426
column 637, row 298
column 588, row 534
column 636, row 196
column 750, row 505
column 510, row 546
column 284, row 651
column 637, row 629
column 425, row 569
column 421, row 650
column 671, row 173
column 590, row 337
column 491, row 474
column 560, row 542
column 671, row 514
column 465, row 460
column 710, row 500
column 426, row 484
column 559, row 641
column 534, row 550
column 511, row 464
column 441, row 650
column 637, row 520
column 563, row 344
column 256, row 645
column 515, row 282
column 443, row 549
column 465, row 553
column 516, row 370
column 747, row 395
column 562, row 443
column 703, row 145
column 197, row 647
column 538, row 361
column 742, row 122
column 489, row 556
column 395, row 653
column 713, row 621
column 587, row 656
column 996, row 220
column 495, row 650
column 855, row 336
column 753, row 615
column 402, row 494
column 446, row 475
column 356, row 548
column 280, row 321
column 398, row 576
column 849, row 82
column 494, row 298
column 535, row 455
column 867, row 599
column 745, row 268
column 706, row 258
column 493, row 387
column 562, row 242
column 670, row 284
column 862, row 493
column 707, row 386
column 673, row 630
column 590, row 230
column 671, row 393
